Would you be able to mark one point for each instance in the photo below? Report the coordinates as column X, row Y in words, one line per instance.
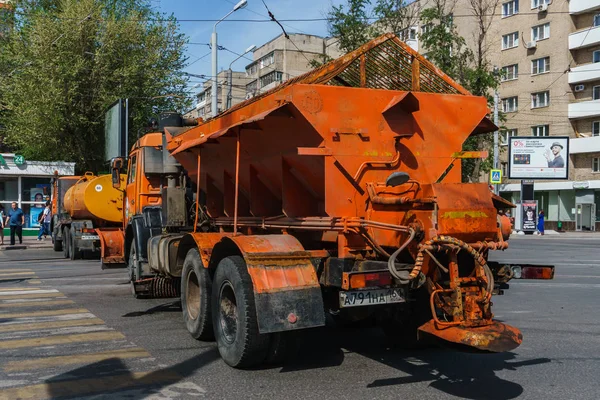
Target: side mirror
column 116, row 165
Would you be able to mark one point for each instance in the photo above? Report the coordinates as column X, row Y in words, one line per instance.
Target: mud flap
column 289, row 310
column 496, row 337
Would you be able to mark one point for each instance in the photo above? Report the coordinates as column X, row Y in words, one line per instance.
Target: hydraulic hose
column 392, row 260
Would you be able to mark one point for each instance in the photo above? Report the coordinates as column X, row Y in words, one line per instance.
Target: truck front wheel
column 234, row 315
column 196, row 290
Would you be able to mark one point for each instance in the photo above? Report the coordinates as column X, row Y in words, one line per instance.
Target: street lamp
column 213, row 44
column 230, row 74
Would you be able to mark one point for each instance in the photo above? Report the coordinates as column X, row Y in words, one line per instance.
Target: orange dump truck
column 337, row 193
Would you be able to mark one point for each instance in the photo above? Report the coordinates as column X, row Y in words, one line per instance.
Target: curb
column 24, row 247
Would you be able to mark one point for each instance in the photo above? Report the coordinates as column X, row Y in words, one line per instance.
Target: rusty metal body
column 300, row 182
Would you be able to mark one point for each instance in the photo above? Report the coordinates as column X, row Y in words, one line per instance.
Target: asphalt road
column 70, row 329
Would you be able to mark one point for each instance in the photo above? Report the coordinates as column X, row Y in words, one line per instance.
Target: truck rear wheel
column 74, row 252
column 196, row 290
column 234, row 315
column 66, row 242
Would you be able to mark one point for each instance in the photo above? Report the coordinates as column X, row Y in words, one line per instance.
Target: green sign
column 19, row 160
column 2, row 160
column 496, row 176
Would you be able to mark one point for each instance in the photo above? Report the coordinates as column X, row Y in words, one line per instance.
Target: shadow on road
column 113, row 376
column 465, row 375
column 172, row 306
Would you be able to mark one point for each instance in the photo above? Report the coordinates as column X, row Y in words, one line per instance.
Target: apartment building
column 281, row 59
column 551, row 87
column 548, row 56
column 203, row 98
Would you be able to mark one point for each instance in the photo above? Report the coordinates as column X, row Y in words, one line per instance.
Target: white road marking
column 55, row 331
column 36, row 291
column 65, row 317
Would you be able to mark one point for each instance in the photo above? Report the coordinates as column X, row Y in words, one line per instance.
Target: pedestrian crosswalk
column 51, row 347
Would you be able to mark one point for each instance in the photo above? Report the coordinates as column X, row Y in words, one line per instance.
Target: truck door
column 131, row 191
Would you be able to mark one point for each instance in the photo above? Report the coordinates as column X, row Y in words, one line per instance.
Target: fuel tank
column 95, row 198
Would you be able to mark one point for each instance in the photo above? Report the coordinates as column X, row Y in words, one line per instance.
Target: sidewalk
column 551, row 234
column 29, row 242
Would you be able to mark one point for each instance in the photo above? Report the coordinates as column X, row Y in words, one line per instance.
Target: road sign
column 496, row 176
column 19, row 160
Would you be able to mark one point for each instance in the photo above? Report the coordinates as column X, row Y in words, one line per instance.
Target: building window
column 425, row 29
column 596, row 164
column 201, row 97
column 511, row 40
column 540, row 32
column 540, row 99
column 271, row 77
column 251, row 70
column 597, row 20
column 596, row 92
column 506, row 135
column 510, row 72
column 596, row 56
column 540, row 130
column 267, row 60
column 537, row 3
column 540, row 66
column 596, row 128
column 407, row 34
column 504, row 168
column 510, row 104
column 510, row 8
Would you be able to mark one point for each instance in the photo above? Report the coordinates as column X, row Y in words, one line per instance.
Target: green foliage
column 68, row 60
column 351, row 24
column 448, row 51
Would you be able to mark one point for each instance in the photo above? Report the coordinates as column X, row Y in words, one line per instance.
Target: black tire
column 74, row 252
column 234, row 315
column 196, row 291
column 131, row 269
column 57, row 245
column 66, row 242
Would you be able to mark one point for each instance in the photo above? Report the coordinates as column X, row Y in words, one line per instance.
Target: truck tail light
column 370, row 279
column 533, row 272
column 88, row 230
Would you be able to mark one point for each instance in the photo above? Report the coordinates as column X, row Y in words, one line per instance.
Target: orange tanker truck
column 87, row 216
column 337, row 193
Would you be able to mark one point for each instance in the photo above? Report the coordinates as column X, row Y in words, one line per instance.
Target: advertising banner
column 529, row 216
column 37, row 194
column 538, row 157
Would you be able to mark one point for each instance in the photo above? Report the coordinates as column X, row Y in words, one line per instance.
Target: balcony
column 584, row 73
column 584, row 145
column 584, row 38
column 584, row 109
column 581, row 6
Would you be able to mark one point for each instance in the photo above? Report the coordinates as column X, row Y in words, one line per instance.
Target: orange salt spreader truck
column 336, row 193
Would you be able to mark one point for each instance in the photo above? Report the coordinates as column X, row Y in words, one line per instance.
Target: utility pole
column 230, row 75
column 496, row 149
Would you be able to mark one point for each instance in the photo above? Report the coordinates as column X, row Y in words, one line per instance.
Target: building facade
column 28, row 183
column 548, row 56
column 281, row 59
column 237, row 94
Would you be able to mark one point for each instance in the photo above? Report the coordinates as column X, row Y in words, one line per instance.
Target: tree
column 70, row 59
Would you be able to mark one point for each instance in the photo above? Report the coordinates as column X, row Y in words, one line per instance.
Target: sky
column 238, row 36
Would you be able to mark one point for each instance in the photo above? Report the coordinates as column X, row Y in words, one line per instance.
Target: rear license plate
column 357, row 298
column 90, row 237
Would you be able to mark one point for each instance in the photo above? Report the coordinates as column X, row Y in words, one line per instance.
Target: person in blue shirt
column 15, row 220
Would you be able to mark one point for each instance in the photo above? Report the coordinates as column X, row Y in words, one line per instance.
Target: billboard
column 115, row 130
column 529, row 216
column 538, row 157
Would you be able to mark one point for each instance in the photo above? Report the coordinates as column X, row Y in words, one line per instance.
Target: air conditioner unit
column 543, row 7
column 531, row 45
column 579, row 88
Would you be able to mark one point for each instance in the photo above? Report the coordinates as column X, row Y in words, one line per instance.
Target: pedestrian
column 2, row 217
column 16, row 220
column 45, row 217
column 541, row 222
